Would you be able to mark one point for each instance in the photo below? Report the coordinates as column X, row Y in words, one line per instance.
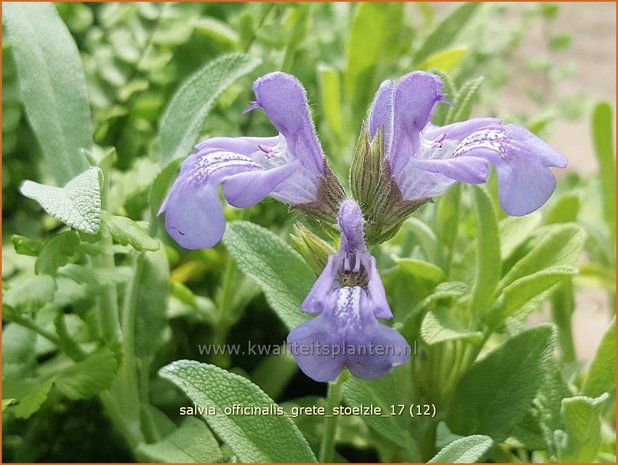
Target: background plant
column 97, row 301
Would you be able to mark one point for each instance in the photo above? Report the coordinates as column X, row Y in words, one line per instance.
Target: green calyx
column 376, row 191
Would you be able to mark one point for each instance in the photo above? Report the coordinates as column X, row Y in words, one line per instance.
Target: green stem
column 129, row 310
column 223, row 305
column 121, row 401
column 333, row 399
column 108, row 302
column 31, row 325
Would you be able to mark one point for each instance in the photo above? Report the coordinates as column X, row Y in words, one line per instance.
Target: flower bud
column 376, row 191
column 314, row 250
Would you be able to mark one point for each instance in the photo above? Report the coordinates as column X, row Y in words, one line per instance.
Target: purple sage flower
column 425, row 160
column 348, row 298
column 289, row 167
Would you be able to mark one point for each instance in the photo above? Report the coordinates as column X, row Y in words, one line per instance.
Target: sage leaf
column 446, row 31
column 56, row 253
column 464, row 450
column 192, row 442
column 77, row 204
column 125, row 231
column 186, row 113
column 488, row 260
column 253, row 438
column 559, row 245
column 581, row 441
column 151, row 284
column 495, row 393
column 278, row 269
column 52, row 84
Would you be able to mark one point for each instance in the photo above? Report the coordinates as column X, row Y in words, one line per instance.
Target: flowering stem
column 333, row 399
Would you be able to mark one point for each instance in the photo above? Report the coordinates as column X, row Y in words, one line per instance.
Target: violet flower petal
column 381, row 112
column 194, row 217
column 326, row 283
column 522, row 163
column 345, row 334
column 376, row 295
column 314, row 347
column 378, row 349
column 284, row 100
column 348, row 296
column 351, row 222
column 414, row 99
column 249, row 188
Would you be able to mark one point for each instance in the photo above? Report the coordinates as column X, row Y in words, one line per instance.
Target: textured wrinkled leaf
column 446, row 31
column 152, row 281
column 278, row 269
column 56, row 253
column 495, row 393
column 464, row 450
column 582, row 438
column 441, row 325
column 253, row 438
column 602, row 372
column 488, row 260
column 602, row 133
column 90, row 376
column 52, row 84
column 77, row 204
column 527, row 288
column 31, row 294
column 560, row 246
column 549, row 404
column 127, row 232
column 192, row 442
column 186, row 113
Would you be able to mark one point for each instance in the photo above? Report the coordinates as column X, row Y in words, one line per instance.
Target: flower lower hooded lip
column 348, row 297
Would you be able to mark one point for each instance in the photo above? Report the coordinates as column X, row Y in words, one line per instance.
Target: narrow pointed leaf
column 52, row 84
column 186, row 113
